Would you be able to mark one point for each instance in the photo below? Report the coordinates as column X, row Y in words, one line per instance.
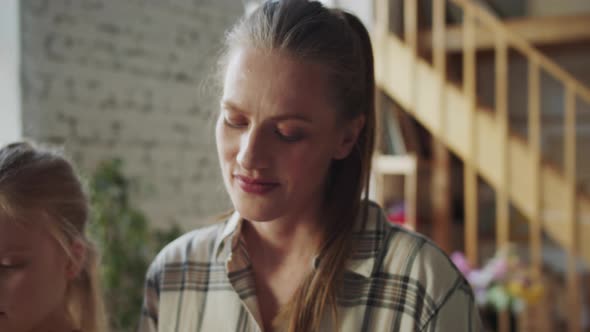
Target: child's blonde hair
column 39, row 185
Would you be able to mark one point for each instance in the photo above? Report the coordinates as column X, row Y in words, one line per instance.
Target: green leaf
column 127, row 243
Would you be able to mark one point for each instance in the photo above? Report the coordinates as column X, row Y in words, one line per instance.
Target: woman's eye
column 9, row 264
column 289, row 137
column 235, row 123
column 11, row 267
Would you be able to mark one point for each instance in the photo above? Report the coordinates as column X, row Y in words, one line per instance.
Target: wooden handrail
column 539, row 31
column 524, row 47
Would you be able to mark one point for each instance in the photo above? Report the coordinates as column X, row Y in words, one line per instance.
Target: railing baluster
column 411, row 24
column 439, row 59
column 471, row 196
column 534, row 118
column 502, row 205
column 382, row 15
column 411, row 38
column 571, row 210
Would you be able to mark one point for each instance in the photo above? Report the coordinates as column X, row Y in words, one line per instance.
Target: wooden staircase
column 549, row 197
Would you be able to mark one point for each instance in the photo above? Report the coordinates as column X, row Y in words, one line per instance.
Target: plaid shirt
column 395, row 280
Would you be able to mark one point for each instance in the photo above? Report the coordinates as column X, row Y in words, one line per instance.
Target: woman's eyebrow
column 297, row 117
column 13, row 250
column 227, row 104
column 289, row 116
column 11, row 246
column 232, row 106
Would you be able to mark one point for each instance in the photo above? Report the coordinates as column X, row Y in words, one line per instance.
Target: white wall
column 133, row 80
column 10, row 104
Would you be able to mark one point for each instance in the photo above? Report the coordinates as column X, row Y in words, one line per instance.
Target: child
column 48, row 267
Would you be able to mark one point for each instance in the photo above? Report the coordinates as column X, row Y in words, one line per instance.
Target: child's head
column 47, row 265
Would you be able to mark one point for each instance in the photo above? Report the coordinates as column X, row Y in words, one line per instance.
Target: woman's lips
column 254, row 185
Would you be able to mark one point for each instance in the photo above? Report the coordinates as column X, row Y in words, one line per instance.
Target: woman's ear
column 349, row 137
column 77, row 259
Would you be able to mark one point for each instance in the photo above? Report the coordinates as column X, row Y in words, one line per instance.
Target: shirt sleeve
column 457, row 313
column 148, row 321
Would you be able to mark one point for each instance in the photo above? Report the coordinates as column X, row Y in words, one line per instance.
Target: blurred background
column 484, row 133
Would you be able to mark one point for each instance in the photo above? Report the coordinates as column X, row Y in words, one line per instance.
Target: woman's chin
column 257, row 210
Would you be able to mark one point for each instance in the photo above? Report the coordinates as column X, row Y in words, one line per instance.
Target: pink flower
column 480, row 278
column 461, row 262
column 499, row 268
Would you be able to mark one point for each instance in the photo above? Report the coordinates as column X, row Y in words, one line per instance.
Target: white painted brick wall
column 128, row 79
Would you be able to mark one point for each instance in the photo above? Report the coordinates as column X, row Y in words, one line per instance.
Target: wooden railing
column 475, row 18
column 539, row 31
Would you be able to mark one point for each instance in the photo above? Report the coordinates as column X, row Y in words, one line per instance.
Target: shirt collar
column 226, row 241
column 363, row 267
column 368, row 238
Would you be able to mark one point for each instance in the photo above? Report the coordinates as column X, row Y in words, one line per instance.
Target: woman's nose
column 253, row 152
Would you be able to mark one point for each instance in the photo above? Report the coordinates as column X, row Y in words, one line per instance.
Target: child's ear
column 349, row 137
column 77, row 259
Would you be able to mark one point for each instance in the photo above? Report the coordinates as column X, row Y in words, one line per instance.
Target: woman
column 48, row 267
column 304, row 250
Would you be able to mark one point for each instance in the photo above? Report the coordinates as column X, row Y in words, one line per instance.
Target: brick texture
column 134, row 80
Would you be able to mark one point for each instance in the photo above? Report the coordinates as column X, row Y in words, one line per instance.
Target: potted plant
column 126, row 242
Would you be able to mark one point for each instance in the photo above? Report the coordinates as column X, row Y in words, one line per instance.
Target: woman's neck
column 281, row 252
column 286, row 240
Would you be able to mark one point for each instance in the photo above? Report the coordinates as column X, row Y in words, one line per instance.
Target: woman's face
column 32, row 277
column 277, row 134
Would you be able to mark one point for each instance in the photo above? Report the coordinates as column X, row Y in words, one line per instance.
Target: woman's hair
column 338, row 41
column 38, row 185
